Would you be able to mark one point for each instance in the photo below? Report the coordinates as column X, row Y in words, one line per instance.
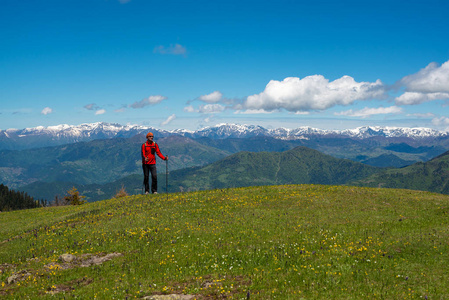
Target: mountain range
column 377, row 146
column 16, row 139
column 105, row 160
column 95, row 156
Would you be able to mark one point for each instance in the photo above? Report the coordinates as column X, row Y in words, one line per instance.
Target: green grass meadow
column 269, row 242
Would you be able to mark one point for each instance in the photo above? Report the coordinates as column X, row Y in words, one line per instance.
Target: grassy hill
column 276, row 242
column 429, row 176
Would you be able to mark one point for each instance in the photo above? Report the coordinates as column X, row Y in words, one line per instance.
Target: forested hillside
column 430, row 176
column 12, row 200
column 297, row 166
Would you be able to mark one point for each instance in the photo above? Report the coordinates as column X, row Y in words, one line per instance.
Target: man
column 149, row 149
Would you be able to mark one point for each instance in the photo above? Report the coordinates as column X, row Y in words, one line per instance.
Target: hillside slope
column 270, row 242
column 428, row 176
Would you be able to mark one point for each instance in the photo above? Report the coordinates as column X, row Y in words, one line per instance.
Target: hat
column 149, row 133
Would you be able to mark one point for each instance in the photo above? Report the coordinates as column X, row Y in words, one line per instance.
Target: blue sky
column 191, row 64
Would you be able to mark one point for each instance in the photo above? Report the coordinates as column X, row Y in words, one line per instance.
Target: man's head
column 150, row 136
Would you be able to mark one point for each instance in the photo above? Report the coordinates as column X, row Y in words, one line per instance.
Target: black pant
column 146, row 172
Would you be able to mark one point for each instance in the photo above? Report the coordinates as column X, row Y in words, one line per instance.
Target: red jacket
column 149, row 151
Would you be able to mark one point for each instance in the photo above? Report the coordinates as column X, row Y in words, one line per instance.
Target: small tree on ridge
column 74, row 197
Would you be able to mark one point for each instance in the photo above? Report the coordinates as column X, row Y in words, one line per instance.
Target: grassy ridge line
column 23, row 221
column 278, row 242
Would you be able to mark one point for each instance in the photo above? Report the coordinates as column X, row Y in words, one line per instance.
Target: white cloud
column 423, row 115
column 148, row 101
column 302, row 113
column 313, row 93
column 213, row 97
column 412, row 98
column 169, row 119
column 211, row 108
column 254, row 111
column 189, row 109
column 100, row 112
column 176, row 49
column 369, row 111
column 208, row 119
column 429, row 84
column 431, row 79
column 46, row 111
column 441, row 121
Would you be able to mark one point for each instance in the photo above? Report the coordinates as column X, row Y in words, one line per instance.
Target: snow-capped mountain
column 390, row 132
column 221, row 131
column 245, row 131
column 14, row 139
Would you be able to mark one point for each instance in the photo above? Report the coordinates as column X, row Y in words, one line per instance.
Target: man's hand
column 166, row 158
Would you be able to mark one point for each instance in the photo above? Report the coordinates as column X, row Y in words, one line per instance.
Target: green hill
column 388, row 160
column 429, row 176
column 268, row 242
column 299, row 165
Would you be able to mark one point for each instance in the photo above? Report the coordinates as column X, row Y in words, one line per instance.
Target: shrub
column 121, row 193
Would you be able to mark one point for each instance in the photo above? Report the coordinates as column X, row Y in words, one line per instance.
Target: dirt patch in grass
column 69, row 286
column 70, row 261
column 207, row 287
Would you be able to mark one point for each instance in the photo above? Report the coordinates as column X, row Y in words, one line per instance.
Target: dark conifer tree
column 12, row 200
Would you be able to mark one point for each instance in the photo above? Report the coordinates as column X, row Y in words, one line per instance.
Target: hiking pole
column 166, row 177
